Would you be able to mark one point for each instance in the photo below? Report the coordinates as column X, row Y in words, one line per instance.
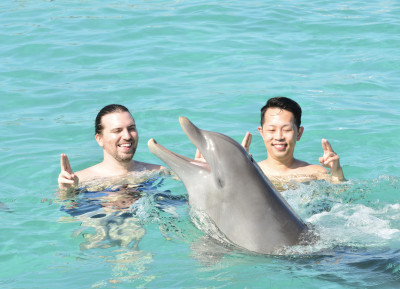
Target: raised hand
column 247, row 141
column 331, row 160
column 66, row 179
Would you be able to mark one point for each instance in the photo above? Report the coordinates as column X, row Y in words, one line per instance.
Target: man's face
column 119, row 137
column 280, row 133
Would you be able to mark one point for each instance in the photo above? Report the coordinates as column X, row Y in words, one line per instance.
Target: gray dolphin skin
column 232, row 190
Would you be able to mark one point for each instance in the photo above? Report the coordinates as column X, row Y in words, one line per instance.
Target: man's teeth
column 125, row 145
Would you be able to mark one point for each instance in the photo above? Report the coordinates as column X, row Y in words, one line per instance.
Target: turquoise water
column 216, row 63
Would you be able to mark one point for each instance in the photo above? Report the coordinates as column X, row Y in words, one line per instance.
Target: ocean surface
column 216, row 63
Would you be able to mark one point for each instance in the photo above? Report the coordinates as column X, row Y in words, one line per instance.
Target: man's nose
column 278, row 134
column 126, row 134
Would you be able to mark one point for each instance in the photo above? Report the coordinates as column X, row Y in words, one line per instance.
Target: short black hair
column 111, row 108
column 283, row 103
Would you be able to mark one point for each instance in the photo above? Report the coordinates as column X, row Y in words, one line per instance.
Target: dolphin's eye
column 220, row 183
column 250, row 156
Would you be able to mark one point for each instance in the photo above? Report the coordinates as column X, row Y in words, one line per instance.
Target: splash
column 351, row 214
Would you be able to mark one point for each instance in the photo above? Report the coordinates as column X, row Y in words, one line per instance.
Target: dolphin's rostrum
column 233, row 191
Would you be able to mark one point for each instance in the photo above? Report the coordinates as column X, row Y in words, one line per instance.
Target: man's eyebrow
column 275, row 125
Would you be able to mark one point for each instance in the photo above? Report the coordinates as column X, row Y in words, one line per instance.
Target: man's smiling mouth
column 279, row 146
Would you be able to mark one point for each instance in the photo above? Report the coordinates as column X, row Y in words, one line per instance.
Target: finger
column 65, row 181
column 68, row 165
column 65, row 165
column 62, row 165
column 66, row 175
column 331, row 158
column 326, row 146
column 247, row 141
column 63, row 162
column 65, row 178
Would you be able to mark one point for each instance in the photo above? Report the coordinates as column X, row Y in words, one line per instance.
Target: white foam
column 343, row 216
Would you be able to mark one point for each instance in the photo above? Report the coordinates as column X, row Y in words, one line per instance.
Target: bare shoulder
column 89, row 173
column 317, row 169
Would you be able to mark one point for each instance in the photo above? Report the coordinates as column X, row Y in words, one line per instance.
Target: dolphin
column 231, row 189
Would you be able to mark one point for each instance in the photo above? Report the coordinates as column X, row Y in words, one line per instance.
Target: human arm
column 66, row 179
column 331, row 160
